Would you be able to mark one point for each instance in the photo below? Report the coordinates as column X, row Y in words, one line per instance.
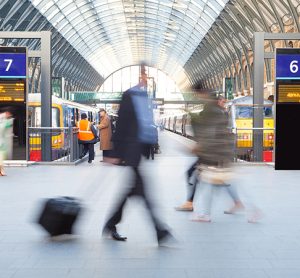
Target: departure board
column 288, row 93
column 12, row 91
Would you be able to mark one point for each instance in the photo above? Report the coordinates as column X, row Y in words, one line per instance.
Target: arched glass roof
column 112, row 34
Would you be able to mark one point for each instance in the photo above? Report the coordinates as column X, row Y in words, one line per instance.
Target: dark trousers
column 136, row 190
column 89, row 148
column 107, row 153
column 192, row 177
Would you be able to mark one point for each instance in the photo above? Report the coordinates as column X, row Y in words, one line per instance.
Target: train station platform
column 228, row 247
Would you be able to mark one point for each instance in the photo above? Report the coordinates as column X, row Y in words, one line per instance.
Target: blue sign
column 12, row 65
column 288, row 66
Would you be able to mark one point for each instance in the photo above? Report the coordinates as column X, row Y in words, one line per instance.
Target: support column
column 46, row 94
column 258, row 96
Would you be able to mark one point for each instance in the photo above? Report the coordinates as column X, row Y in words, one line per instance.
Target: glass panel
column 111, row 34
column 34, row 116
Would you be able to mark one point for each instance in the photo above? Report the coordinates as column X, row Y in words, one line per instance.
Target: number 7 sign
column 9, row 62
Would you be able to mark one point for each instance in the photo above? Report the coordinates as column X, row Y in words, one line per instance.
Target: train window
column 35, row 117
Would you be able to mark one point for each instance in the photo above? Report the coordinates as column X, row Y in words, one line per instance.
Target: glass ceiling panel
column 112, row 34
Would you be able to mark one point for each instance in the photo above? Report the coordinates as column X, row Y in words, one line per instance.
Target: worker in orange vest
column 87, row 136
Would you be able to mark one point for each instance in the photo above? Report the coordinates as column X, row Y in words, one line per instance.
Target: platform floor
column 229, row 247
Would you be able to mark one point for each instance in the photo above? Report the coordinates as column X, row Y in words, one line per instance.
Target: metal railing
column 244, row 138
column 64, row 144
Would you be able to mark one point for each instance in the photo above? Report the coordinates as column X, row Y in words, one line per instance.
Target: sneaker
column 201, row 218
column 90, row 161
column 187, row 206
column 238, row 207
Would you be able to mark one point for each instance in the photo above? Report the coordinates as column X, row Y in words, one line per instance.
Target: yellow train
column 65, row 114
column 241, row 117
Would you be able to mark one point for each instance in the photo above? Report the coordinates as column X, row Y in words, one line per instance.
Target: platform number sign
column 287, row 108
column 294, row 68
column 12, row 63
column 288, row 63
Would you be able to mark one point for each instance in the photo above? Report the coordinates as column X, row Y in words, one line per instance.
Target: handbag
column 95, row 133
column 215, row 175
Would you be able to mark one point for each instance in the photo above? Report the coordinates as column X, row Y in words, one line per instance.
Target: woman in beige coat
column 105, row 135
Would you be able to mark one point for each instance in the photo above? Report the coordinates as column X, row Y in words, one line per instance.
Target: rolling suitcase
column 59, row 215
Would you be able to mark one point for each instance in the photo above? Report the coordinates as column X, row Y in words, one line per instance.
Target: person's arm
column 104, row 123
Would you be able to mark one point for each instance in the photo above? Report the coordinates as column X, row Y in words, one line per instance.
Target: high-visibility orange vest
column 85, row 133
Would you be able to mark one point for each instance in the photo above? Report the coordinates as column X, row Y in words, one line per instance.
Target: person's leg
column 204, row 215
column 91, row 152
column 104, row 153
column 192, row 178
column 161, row 231
column 2, row 172
column 116, row 215
column 152, row 152
column 238, row 205
column 85, row 149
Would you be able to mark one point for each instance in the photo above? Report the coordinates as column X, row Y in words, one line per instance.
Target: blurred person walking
column 6, row 123
column 215, row 151
column 133, row 133
column 193, row 179
column 105, row 132
column 87, row 136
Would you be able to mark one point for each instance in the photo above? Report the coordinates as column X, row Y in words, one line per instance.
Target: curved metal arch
column 221, row 66
column 217, row 31
column 227, row 31
column 294, row 14
column 275, row 13
column 233, row 26
column 215, row 44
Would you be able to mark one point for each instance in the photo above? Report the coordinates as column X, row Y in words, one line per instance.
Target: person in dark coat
column 133, row 132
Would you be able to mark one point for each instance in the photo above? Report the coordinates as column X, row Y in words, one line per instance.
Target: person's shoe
column 255, row 217
column 165, row 239
column 187, row 206
column 113, row 234
column 201, row 218
column 238, row 207
column 90, row 161
column 118, row 237
column 2, row 173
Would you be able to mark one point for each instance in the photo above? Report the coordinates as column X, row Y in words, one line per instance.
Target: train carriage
column 65, row 114
column 241, row 118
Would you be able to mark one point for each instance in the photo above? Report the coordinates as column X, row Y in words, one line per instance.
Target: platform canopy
column 112, row 34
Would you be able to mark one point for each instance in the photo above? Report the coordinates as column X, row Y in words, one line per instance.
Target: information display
column 12, row 63
column 288, row 93
column 12, row 91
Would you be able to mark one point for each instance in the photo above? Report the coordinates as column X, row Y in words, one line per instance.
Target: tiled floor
column 229, row 247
